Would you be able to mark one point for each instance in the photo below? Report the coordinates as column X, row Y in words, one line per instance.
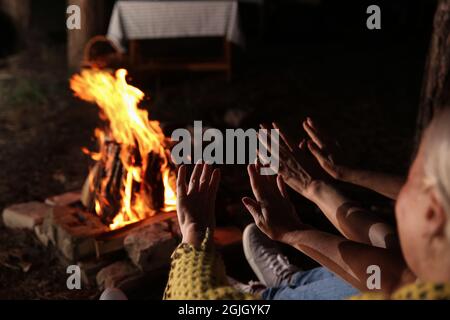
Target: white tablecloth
column 139, row 20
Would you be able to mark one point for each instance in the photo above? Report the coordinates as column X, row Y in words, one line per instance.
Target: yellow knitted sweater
column 199, row 274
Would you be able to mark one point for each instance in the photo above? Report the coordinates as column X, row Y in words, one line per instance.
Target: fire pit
column 123, row 223
column 121, row 228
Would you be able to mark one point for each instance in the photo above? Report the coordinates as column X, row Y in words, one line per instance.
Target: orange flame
column 129, row 127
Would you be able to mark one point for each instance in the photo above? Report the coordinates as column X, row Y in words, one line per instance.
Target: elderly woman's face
column 411, row 210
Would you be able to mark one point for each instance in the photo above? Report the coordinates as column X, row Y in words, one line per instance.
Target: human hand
column 326, row 150
column 296, row 165
column 272, row 210
column 196, row 202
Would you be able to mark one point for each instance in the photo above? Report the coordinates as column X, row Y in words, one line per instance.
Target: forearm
column 350, row 260
column 354, row 222
column 384, row 184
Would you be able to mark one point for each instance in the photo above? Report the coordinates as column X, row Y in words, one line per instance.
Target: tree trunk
column 19, row 12
column 93, row 16
column 436, row 85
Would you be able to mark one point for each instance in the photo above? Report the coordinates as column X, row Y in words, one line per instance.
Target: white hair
column 437, row 160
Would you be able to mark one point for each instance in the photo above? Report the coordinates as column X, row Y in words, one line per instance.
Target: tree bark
column 93, row 20
column 19, row 12
column 436, row 85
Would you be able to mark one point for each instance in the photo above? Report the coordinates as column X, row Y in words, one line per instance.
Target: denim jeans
column 315, row 284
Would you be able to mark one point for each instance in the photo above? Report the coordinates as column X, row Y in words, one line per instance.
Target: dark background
column 321, row 61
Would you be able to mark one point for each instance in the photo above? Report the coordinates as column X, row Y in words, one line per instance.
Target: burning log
column 102, row 191
column 106, row 180
column 87, row 192
column 133, row 177
column 153, row 185
column 108, row 191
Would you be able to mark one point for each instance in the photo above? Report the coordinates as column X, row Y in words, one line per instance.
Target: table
column 133, row 21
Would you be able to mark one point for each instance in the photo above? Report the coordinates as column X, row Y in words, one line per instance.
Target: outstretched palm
column 297, row 167
column 196, row 202
column 272, row 211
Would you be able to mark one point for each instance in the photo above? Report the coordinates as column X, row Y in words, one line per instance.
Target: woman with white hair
column 419, row 270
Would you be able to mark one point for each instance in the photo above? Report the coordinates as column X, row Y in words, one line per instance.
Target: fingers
column 265, row 136
column 264, row 140
column 263, row 160
column 321, row 157
column 316, row 151
column 313, row 134
column 214, row 183
column 205, row 179
column 263, row 186
column 195, row 178
column 282, row 187
column 264, row 148
column 256, row 182
column 253, row 207
column 314, row 126
column 181, row 192
column 289, row 143
column 303, row 145
column 181, row 182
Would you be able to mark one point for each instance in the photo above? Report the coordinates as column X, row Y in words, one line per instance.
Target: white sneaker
column 113, row 295
column 266, row 259
column 253, row 287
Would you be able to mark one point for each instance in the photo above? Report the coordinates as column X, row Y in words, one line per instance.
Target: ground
column 367, row 96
